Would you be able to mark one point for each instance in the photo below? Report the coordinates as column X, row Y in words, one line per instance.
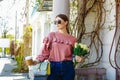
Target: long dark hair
column 65, row 18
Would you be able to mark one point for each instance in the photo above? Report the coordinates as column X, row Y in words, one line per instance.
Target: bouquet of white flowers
column 80, row 49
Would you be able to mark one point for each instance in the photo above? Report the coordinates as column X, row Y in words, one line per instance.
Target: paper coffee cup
column 29, row 60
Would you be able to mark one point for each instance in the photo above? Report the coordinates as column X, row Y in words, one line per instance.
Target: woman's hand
column 79, row 58
column 35, row 62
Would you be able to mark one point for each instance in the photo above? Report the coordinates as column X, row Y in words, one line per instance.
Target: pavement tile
column 6, row 66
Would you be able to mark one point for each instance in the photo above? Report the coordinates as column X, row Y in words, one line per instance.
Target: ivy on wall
column 82, row 9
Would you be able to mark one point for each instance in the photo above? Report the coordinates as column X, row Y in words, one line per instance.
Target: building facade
column 42, row 25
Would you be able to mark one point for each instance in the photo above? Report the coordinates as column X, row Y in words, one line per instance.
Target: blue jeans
column 62, row 71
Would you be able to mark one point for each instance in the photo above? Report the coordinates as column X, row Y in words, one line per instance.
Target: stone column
column 107, row 37
column 60, row 7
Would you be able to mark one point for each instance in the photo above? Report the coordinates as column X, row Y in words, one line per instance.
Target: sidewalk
column 6, row 66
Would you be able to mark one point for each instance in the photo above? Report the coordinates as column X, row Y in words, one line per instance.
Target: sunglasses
column 57, row 22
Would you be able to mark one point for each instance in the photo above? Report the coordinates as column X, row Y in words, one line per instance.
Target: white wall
column 41, row 27
column 106, row 36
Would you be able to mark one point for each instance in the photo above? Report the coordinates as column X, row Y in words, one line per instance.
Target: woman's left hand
column 79, row 58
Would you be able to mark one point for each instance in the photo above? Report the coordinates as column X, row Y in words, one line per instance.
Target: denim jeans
column 62, row 71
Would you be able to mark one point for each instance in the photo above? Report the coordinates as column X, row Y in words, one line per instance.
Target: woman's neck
column 63, row 31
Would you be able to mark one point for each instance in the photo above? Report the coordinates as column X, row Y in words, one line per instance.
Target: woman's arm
column 45, row 50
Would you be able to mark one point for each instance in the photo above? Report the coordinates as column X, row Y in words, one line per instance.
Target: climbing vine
column 80, row 10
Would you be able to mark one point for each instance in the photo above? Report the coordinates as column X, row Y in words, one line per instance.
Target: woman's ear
column 66, row 23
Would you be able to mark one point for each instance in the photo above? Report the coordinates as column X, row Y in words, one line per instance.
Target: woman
column 57, row 49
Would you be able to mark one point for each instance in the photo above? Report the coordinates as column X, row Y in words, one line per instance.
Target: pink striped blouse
column 57, row 47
